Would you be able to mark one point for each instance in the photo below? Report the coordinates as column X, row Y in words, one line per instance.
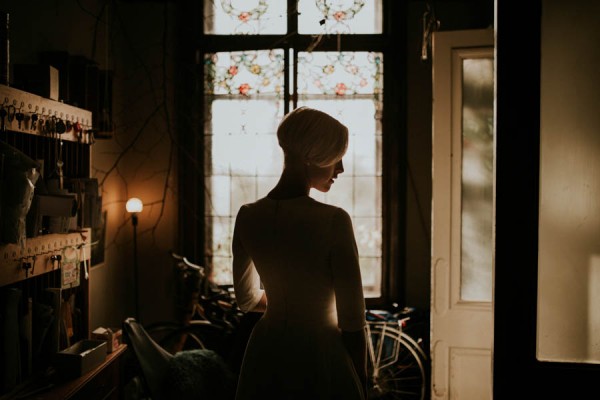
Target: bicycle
column 397, row 362
column 208, row 316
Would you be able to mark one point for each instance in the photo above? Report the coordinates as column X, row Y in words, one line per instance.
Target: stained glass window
column 339, row 16
column 340, row 73
column 245, row 17
column 245, row 99
column 244, row 73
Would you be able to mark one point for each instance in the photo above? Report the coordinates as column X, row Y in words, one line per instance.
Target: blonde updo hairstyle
column 312, row 137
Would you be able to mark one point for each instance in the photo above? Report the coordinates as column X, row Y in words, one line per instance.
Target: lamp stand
column 134, row 222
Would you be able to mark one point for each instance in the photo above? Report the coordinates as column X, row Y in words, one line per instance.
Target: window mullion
column 292, row 17
column 286, row 81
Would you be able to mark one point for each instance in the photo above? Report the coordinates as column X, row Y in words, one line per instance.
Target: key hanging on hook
column 3, row 114
column 19, row 116
column 32, row 125
column 26, row 266
column 56, row 259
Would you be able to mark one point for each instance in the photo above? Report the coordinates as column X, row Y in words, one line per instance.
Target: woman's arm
column 246, row 281
column 350, row 301
column 356, row 344
column 262, row 304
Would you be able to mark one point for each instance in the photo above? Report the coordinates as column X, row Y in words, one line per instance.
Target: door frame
column 518, row 55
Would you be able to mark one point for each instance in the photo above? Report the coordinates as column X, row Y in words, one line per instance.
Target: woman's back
column 305, row 254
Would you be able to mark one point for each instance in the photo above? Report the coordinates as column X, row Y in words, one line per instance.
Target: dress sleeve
column 246, row 281
column 349, row 297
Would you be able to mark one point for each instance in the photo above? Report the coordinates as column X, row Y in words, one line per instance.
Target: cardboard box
column 55, row 212
column 112, row 336
column 40, row 79
column 80, row 358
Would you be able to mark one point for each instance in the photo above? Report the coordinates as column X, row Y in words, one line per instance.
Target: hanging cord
column 430, row 25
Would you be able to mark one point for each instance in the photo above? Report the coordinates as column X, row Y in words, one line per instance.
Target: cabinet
column 44, row 272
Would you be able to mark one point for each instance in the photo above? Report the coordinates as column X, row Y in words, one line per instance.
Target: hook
column 27, row 266
column 430, row 24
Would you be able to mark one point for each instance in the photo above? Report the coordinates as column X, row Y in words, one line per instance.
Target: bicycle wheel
column 175, row 337
column 396, row 368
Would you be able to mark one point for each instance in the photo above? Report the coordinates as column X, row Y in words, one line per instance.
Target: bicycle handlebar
column 186, row 262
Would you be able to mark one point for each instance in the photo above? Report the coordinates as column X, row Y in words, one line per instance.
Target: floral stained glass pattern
column 339, row 16
column 244, row 104
column 245, row 17
column 340, row 73
column 244, row 73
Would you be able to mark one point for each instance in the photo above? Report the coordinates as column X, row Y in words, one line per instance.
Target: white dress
column 304, row 253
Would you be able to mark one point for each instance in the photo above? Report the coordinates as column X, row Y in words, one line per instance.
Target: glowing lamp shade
column 134, row 205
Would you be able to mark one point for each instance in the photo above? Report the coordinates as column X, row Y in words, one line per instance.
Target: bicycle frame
column 397, row 361
column 376, row 355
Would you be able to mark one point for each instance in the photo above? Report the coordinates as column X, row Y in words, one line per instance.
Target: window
column 264, row 58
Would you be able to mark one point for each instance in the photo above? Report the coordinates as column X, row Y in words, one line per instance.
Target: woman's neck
column 292, row 183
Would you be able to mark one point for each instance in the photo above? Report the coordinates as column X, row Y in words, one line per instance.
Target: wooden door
column 462, row 215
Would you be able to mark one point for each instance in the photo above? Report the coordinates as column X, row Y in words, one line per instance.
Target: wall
column 137, row 161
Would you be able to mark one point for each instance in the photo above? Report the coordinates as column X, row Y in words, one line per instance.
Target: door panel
column 462, row 215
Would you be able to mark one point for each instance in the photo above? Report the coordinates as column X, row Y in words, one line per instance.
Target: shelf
column 28, row 104
column 39, row 251
column 96, row 384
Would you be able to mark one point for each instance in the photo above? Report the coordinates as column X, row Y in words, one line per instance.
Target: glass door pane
column 477, row 179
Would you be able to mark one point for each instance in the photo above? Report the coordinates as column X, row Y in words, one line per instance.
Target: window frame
column 391, row 42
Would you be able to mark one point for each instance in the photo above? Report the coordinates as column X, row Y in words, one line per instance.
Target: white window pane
column 370, row 269
column 341, row 193
column 242, row 154
column 242, row 115
column 221, row 270
column 364, row 155
column 366, row 197
column 265, row 184
column 215, row 145
column 218, row 203
column 368, row 236
column 269, row 155
column 221, row 236
column 243, row 190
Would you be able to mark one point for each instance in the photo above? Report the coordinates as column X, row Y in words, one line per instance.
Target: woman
column 310, row 343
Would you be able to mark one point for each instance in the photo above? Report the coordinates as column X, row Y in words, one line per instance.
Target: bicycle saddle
column 153, row 359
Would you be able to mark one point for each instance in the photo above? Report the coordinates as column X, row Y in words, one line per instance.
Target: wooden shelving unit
column 27, row 103
column 39, row 253
column 43, row 263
